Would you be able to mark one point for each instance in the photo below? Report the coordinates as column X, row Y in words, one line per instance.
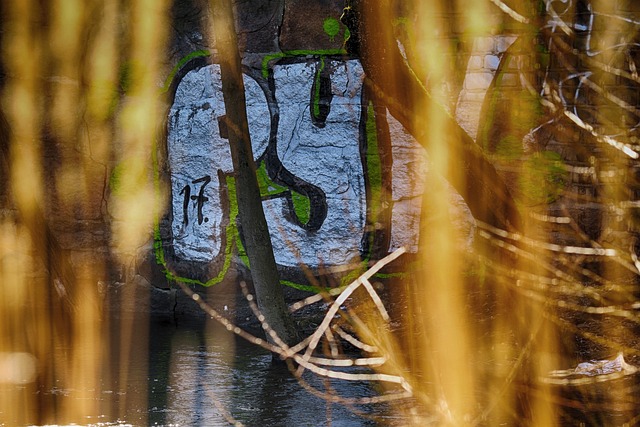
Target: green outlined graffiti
column 181, row 63
column 270, row 189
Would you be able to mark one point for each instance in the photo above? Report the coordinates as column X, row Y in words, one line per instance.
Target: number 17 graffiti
column 200, row 199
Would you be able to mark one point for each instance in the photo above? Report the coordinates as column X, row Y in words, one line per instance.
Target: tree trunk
column 254, row 228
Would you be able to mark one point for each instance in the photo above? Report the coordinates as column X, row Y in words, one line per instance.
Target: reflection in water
column 200, row 375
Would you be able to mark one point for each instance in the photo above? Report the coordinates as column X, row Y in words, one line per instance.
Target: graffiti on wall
column 310, row 170
column 308, row 124
column 196, row 137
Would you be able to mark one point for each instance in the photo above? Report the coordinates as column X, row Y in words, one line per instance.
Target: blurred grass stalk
column 447, row 348
column 69, row 124
column 465, row 369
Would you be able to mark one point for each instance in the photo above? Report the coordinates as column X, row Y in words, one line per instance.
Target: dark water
column 196, row 373
column 167, row 374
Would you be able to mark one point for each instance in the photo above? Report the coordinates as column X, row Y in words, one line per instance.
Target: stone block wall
column 484, row 59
